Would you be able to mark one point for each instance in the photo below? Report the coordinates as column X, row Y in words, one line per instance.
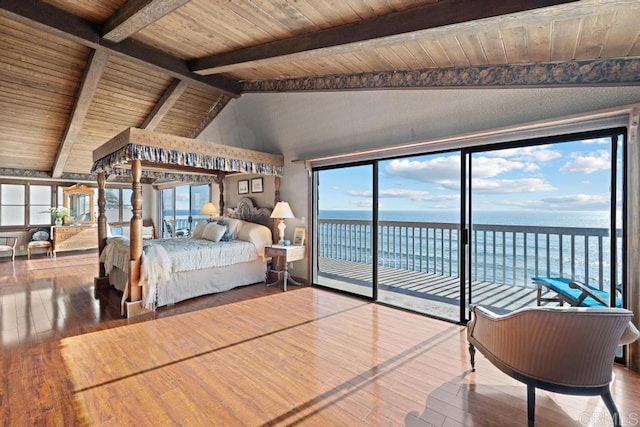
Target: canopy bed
column 141, row 272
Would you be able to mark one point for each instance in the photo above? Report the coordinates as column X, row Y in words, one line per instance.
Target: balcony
column 418, row 261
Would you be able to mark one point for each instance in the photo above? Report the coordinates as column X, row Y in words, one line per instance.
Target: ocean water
column 592, row 219
column 497, row 255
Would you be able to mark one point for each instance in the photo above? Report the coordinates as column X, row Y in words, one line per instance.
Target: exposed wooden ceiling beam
column 41, row 15
column 164, row 105
column 400, row 27
column 88, row 85
column 211, row 114
column 134, row 15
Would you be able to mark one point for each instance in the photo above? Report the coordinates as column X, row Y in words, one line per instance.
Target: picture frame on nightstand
column 299, row 236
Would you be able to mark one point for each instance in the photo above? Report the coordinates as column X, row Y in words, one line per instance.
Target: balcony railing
column 503, row 254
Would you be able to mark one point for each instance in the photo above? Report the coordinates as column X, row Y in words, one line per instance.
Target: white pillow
column 198, row 232
column 257, row 234
column 234, row 226
column 147, row 232
column 214, row 232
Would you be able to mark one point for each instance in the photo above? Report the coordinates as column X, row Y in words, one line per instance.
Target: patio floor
column 432, row 294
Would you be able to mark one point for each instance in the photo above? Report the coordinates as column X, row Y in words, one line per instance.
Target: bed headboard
column 247, row 211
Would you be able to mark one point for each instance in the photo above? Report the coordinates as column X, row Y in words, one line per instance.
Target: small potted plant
column 59, row 213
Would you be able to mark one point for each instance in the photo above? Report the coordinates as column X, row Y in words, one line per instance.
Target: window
column 39, row 204
column 118, row 204
column 12, row 204
column 180, row 208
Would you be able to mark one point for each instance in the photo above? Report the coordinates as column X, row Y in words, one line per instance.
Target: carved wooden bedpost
column 101, row 281
column 221, row 187
column 135, row 228
column 276, row 182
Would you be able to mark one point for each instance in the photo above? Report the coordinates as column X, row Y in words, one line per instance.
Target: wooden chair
column 567, row 350
column 39, row 245
column 39, row 238
column 9, row 244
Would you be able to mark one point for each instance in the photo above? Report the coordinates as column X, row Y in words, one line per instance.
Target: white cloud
column 504, row 186
column 603, row 140
column 488, row 167
column 539, row 153
column 446, row 170
column 356, row 193
column 413, row 195
column 431, row 170
column 364, row 203
column 588, row 163
column 576, row 202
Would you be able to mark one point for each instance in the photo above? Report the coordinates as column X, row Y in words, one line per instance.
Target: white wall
column 305, row 125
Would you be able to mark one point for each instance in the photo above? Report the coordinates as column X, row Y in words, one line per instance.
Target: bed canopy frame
column 166, row 157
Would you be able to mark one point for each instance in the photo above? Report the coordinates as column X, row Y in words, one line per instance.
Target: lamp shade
column 282, row 210
column 209, row 209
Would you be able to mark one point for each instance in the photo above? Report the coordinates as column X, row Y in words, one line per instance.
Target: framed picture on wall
column 243, row 186
column 298, row 236
column 256, row 185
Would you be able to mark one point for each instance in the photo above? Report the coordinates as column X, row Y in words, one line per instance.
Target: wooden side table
column 288, row 254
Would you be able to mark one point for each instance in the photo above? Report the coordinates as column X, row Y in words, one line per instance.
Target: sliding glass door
column 344, row 212
column 434, row 233
column 551, row 210
column 418, row 239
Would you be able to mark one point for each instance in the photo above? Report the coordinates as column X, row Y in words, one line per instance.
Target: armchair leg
column 472, row 354
column 608, row 401
column 531, row 404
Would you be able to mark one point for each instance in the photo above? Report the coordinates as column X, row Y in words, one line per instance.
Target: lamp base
column 281, row 227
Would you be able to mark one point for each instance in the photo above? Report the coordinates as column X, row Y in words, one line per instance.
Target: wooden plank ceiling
column 74, row 73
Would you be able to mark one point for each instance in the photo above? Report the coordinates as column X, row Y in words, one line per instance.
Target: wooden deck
column 426, row 293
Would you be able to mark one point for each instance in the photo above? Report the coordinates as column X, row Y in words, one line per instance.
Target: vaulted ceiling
column 74, row 73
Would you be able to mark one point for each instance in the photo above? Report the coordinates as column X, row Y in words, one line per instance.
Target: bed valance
column 187, row 155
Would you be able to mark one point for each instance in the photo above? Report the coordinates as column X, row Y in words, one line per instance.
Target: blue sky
column 570, row 176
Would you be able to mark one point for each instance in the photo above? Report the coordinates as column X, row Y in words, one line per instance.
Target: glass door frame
column 466, row 172
column 374, row 235
column 467, row 194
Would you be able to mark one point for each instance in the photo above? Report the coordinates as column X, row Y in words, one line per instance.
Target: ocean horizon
column 587, row 219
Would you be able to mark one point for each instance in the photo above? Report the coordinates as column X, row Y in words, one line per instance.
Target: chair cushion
column 560, row 285
column 39, row 235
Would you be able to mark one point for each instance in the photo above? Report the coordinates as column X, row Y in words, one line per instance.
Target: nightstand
column 288, row 254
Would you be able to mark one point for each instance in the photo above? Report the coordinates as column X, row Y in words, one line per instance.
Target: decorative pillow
column 199, row 230
column 147, row 232
column 226, row 237
column 40, row 235
column 234, row 226
column 214, row 232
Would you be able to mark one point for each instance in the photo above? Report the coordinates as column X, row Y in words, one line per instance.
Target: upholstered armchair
column 567, row 350
column 8, row 244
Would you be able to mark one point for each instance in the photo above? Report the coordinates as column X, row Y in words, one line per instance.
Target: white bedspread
column 163, row 259
column 182, row 254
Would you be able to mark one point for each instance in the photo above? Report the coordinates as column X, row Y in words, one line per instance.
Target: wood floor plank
column 252, row 356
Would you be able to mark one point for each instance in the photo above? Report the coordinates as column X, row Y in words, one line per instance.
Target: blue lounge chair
column 572, row 292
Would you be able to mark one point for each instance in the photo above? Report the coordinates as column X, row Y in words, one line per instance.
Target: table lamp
column 281, row 211
column 209, row 209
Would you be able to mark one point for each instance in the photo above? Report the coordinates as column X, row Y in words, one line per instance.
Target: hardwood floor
column 251, row 356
